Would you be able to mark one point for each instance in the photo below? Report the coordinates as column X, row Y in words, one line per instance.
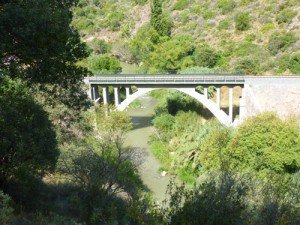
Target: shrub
column 177, row 101
column 164, row 123
column 267, row 27
column 143, row 43
column 291, row 62
column 100, row 46
column 217, row 200
column 226, row 6
column 114, row 19
column 286, row 16
column 206, row 56
column 280, row 41
column 28, row 140
column 172, row 55
column 104, row 64
column 224, row 24
column 6, row 211
column 140, row 2
column 207, row 14
column 248, row 65
column 181, row 4
column 242, row 21
column 265, row 143
column 161, row 22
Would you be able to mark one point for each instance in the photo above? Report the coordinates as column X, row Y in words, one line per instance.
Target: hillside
column 254, row 37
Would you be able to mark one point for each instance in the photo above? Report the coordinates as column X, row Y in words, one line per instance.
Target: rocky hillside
column 251, row 36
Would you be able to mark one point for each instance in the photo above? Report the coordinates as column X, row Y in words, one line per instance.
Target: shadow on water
column 141, row 121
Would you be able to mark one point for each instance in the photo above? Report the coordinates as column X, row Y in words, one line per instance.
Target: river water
column 138, row 138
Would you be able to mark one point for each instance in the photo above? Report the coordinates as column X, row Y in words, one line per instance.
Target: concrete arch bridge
column 187, row 84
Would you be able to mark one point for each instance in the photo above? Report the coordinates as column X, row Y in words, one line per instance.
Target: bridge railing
column 167, row 79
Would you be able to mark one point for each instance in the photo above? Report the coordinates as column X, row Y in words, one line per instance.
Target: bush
column 100, row 46
column 265, row 143
column 177, row 101
column 205, row 56
column 267, row 27
column 172, row 55
column 224, row 24
column 140, row 2
column 181, row 4
column 104, row 64
column 291, row 62
column 248, row 65
column 164, row 123
column 218, row 200
column 6, row 210
column 226, row 6
column 207, row 14
column 242, row 21
column 114, row 20
column 143, row 43
column 28, row 140
column 161, row 22
column 280, row 41
column 286, row 16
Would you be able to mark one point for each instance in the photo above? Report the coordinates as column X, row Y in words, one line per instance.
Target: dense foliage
column 39, row 45
column 28, row 143
column 187, row 146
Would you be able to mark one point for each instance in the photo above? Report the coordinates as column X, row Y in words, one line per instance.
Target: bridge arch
column 212, row 106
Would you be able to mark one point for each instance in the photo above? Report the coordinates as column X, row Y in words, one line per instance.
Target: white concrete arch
column 212, row 106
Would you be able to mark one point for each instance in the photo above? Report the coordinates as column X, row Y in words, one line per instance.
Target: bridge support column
column 219, row 97
column 117, row 96
column 206, row 92
column 105, row 95
column 127, row 91
column 89, row 91
column 230, row 104
column 242, row 105
column 95, row 94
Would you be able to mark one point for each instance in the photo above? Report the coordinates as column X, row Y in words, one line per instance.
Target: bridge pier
column 94, row 93
column 127, row 91
column 206, row 92
column 230, row 104
column 242, row 109
column 219, row 97
column 105, row 95
column 117, row 96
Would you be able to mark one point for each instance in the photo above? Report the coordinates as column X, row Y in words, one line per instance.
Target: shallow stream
column 138, row 138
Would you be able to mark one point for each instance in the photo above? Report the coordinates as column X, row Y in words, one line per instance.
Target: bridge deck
column 188, row 79
column 166, row 79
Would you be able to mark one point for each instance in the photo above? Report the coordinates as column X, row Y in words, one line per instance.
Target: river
column 138, row 138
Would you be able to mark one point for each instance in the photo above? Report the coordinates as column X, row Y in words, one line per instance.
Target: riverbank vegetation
column 246, row 175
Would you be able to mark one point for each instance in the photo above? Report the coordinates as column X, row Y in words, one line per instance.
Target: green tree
column 104, row 64
column 28, row 142
column 143, row 43
column 265, row 143
column 205, row 56
column 160, row 21
column 39, row 45
column 172, row 55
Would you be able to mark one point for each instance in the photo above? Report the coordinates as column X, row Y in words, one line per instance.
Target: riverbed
column 138, row 138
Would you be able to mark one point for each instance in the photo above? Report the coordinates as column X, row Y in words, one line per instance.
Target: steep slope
column 256, row 37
